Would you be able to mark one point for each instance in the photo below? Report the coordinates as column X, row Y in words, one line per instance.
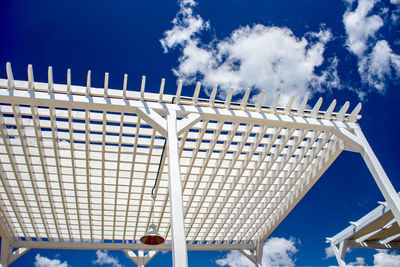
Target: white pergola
column 379, row 229
column 78, row 165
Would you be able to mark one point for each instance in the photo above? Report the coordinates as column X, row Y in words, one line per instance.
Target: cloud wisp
column 376, row 61
column 384, row 258
column 258, row 57
column 103, row 258
column 41, row 261
column 276, row 252
column 329, row 253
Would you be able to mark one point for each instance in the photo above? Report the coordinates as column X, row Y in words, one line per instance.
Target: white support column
column 179, row 250
column 340, row 252
column 250, row 255
column 259, row 253
column 17, row 254
column 5, row 251
column 380, row 176
column 134, row 257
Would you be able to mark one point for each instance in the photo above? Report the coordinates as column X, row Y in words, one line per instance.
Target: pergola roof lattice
column 78, row 164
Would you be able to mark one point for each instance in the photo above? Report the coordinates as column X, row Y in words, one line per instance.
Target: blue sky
column 344, row 50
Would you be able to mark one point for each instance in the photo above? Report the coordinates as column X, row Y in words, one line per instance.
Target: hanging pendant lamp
column 152, row 237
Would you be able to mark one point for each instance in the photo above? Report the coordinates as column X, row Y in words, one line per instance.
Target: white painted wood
column 300, row 111
column 4, row 223
column 18, row 179
column 342, row 112
column 106, row 84
column 249, row 255
column 10, row 77
column 368, row 235
column 340, row 252
column 161, row 93
column 275, row 103
column 242, row 167
column 57, row 159
column 5, row 252
column 88, row 84
column 260, row 101
column 154, row 119
column 40, row 147
column 74, row 176
column 361, row 223
column 131, row 177
column 87, row 163
column 143, row 187
column 373, row 245
column 229, row 98
column 389, row 239
column 352, row 141
column 50, row 79
column 125, row 85
column 179, row 254
column 17, row 254
column 31, row 81
column 379, row 174
column 187, row 122
column 354, row 113
column 178, row 92
column 213, row 95
column 245, row 99
column 28, row 161
column 317, row 106
column 288, row 108
column 259, row 253
column 68, row 81
column 125, row 246
column 330, row 109
column 196, row 93
column 142, row 87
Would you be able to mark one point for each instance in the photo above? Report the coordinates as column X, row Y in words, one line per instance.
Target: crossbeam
column 167, row 246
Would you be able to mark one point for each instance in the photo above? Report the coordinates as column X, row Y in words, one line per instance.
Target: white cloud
column 329, row 253
column 375, row 57
column 376, row 67
column 276, row 252
column 46, row 262
column 386, row 259
column 258, row 57
column 186, row 26
column 360, row 261
column 234, row 259
column 360, row 26
column 103, row 258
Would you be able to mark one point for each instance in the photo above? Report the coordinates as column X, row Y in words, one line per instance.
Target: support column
column 5, row 252
column 340, row 252
column 379, row 174
column 15, row 255
column 179, row 250
column 259, row 253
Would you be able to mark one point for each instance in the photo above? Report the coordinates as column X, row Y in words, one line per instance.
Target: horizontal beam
column 360, row 224
column 373, row 245
column 22, row 97
column 122, row 246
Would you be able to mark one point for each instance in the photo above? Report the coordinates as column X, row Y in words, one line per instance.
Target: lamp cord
column 158, row 172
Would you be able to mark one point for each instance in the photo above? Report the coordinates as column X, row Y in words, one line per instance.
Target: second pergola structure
column 78, row 166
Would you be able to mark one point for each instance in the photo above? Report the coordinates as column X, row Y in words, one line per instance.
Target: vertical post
column 340, row 252
column 259, row 253
column 380, row 176
column 179, row 251
column 5, row 251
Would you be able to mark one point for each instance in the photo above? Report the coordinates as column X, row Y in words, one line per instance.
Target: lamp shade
column 152, row 237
